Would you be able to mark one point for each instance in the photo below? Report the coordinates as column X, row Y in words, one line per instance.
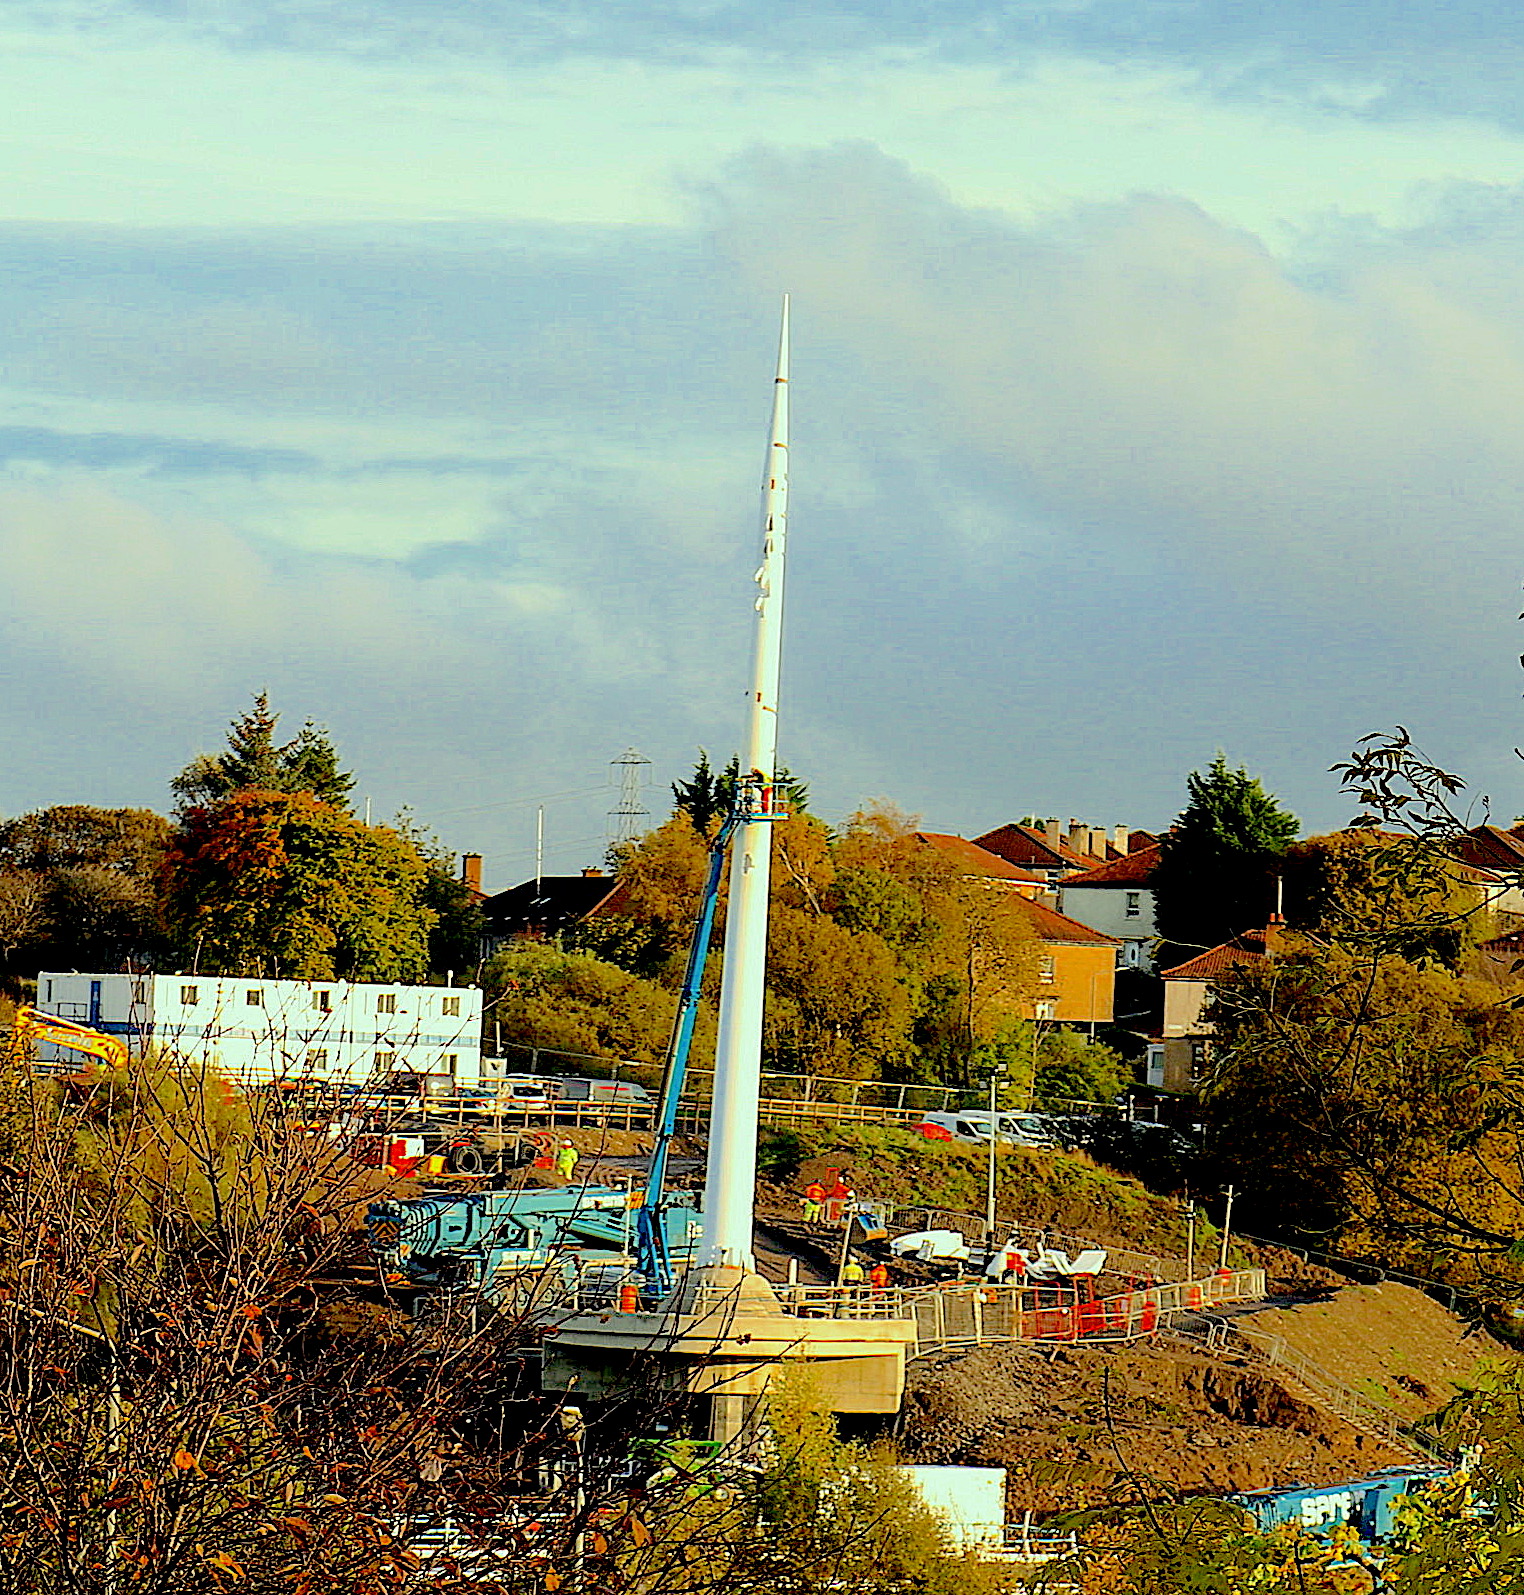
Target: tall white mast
column 730, row 1179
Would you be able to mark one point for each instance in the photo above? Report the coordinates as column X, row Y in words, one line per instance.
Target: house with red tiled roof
column 1076, row 971
column 1118, row 898
column 979, row 863
column 1179, row 1060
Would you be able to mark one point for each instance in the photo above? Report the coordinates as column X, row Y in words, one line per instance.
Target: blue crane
column 753, row 801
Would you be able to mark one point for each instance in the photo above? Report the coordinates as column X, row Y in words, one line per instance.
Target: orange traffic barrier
column 629, row 1299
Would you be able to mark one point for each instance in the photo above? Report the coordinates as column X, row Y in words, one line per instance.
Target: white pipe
column 730, row 1178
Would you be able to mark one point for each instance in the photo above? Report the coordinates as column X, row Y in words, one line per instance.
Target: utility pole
column 1227, row 1232
column 539, row 846
column 1190, row 1237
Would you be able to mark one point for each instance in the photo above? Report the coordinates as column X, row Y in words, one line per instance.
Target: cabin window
column 323, row 1001
column 189, row 996
column 449, row 1061
column 450, row 1007
column 317, row 1058
column 254, row 997
column 386, row 1060
column 386, row 1002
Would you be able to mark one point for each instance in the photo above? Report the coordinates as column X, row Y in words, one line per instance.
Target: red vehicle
column 934, row 1132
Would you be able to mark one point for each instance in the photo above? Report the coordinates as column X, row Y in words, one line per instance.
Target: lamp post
column 997, row 1076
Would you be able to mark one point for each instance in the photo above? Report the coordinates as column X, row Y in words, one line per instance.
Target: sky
column 1157, row 379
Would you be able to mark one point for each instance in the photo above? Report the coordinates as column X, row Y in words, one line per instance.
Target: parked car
column 577, row 1088
column 973, row 1127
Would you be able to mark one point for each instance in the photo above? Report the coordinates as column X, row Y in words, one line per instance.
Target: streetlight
column 997, row 1077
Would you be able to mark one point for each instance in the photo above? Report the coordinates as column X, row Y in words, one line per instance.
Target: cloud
column 1077, row 502
column 1143, row 364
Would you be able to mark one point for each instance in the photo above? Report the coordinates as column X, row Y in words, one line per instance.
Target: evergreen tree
column 1216, row 866
column 708, row 796
column 255, row 761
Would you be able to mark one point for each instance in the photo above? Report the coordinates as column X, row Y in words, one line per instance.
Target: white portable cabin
column 333, row 1031
column 968, row 1502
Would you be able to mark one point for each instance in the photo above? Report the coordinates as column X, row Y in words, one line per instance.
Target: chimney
column 471, row 870
column 1078, row 837
column 589, row 873
column 1120, row 837
column 1052, row 832
column 1096, row 836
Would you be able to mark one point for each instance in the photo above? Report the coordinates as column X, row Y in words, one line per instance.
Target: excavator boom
column 32, row 1026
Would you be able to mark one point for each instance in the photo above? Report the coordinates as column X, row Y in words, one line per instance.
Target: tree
column 1213, row 880
column 128, row 842
column 189, row 1404
column 572, row 1002
column 281, row 884
column 23, row 911
column 254, row 759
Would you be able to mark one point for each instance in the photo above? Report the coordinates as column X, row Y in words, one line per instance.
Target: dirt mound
column 1391, row 1343
column 1074, row 1425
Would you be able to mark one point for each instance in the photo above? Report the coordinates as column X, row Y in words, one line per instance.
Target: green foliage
column 1215, row 864
column 1376, row 1101
column 573, row 1002
column 1382, row 891
column 851, row 1520
column 282, row 884
column 127, row 842
column 308, row 763
column 1071, row 1068
column 79, row 888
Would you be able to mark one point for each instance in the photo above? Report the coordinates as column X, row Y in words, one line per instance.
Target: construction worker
column 878, row 1278
column 814, row 1202
column 852, row 1273
column 566, row 1160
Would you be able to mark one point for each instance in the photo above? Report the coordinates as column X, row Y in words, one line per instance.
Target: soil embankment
column 1077, row 1426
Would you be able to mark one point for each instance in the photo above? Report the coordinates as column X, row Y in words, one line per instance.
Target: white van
column 973, row 1127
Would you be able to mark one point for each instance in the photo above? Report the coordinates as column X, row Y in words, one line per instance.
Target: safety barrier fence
column 981, row 1314
column 969, row 1315
column 1330, row 1393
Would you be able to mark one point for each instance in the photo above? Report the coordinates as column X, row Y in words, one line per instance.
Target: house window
column 1134, row 905
column 1044, row 1010
column 254, row 997
column 323, row 1001
column 386, row 1002
column 386, row 1060
column 317, row 1058
column 450, row 1007
column 189, row 996
column 1047, row 970
column 1201, row 1061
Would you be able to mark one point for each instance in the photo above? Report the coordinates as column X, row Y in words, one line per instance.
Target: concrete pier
column 724, row 1333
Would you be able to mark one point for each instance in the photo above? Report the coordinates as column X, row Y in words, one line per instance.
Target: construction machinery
column 489, row 1240
column 32, row 1026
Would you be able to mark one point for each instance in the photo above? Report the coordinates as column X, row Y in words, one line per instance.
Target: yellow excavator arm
column 32, row 1026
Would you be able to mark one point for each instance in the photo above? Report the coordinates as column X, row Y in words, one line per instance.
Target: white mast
column 730, row 1179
